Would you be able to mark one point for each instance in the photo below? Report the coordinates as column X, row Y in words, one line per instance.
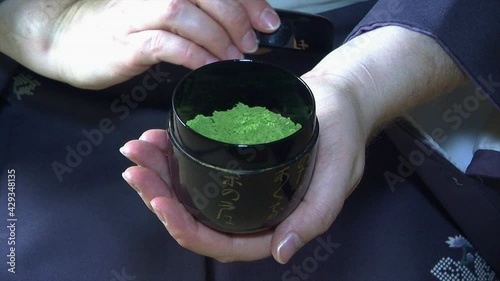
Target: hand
column 358, row 87
column 96, row 44
column 339, row 166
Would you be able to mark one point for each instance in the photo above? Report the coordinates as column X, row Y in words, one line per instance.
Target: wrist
column 338, row 95
column 389, row 71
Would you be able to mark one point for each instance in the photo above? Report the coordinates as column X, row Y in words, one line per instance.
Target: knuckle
column 184, row 243
column 228, row 6
column 235, row 19
column 188, row 54
column 232, row 14
column 155, row 43
column 324, row 219
column 174, row 8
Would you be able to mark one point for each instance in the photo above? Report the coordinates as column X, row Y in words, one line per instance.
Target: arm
column 389, row 71
column 468, row 31
column 98, row 43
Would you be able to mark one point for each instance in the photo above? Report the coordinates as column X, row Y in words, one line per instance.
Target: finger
column 316, row 212
column 233, row 18
column 205, row 241
column 183, row 18
column 182, row 226
column 262, row 15
column 147, row 155
column 239, row 18
column 151, row 47
column 147, row 184
column 157, row 137
column 189, row 233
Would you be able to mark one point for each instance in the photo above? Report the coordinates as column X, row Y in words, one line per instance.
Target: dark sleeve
column 469, row 31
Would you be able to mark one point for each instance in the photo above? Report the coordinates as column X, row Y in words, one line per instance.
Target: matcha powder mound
column 244, row 125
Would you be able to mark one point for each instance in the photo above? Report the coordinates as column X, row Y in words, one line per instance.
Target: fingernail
column 158, row 212
column 270, row 19
column 143, row 137
column 249, row 42
column 288, row 247
column 124, row 151
column 126, row 177
column 233, row 53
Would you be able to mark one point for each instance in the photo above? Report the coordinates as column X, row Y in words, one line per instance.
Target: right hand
column 96, row 44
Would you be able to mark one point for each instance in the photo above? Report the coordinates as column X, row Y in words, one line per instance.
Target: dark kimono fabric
column 88, row 224
column 469, row 31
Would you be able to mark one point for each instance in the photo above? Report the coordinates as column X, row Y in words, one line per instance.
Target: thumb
column 331, row 184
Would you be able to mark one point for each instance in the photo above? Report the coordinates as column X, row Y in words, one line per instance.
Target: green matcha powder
column 244, row 125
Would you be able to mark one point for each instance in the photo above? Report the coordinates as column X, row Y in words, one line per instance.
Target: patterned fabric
column 473, row 205
column 470, row 267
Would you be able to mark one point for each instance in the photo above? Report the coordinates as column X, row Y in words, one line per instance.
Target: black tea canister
column 240, row 188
